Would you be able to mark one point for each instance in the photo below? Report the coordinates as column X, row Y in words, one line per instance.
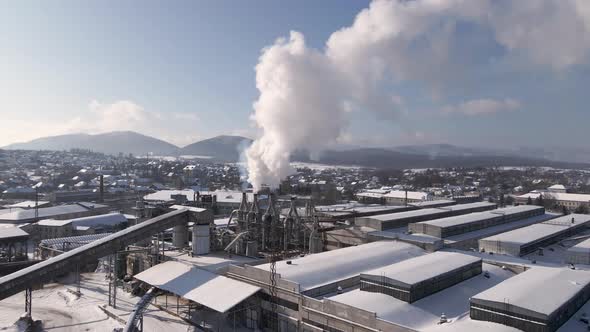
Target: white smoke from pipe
column 306, row 93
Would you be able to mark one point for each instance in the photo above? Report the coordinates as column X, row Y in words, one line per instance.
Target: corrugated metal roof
column 209, row 289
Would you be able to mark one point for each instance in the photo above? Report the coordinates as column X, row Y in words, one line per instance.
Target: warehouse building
column 415, row 278
column 459, row 209
column 579, row 254
column 519, row 212
column 450, row 226
column 402, row 219
column 525, row 240
column 527, row 303
column 61, row 212
column 350, row 211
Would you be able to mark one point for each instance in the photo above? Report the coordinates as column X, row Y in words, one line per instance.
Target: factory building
column 450, row 226
column 300, row 283
column 402, row 219
column 579, row 254
column 525, row 240
column 350, row 210
column 52, row 228
column 537, row 300
column 60, row 212
column 393, row 197
column 456, row 225
column 415, row 278
column 459, row 209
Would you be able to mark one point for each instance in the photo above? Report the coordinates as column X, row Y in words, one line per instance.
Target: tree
column 539, row 201
column 529, row 201
column 582, row 208
column 509, row 200
column 501, row 203
column 564, row 210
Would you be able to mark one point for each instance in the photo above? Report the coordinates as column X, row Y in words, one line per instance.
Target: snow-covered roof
column 417, row 195
column 406, row 214
column 209, row 289
column 583, row 247
column 10, row 232
column 27, row 204
column 529, row 290
column 467, row 206
column 421, row 268
column 424, row 314
column 582, row 198
column 166, row 195
column 327, row 267
column 53, row 222
column 49, row 212
column 517, row 209
column 190, row 208
column 539, row 231
column 557, row 187
column 461, row 220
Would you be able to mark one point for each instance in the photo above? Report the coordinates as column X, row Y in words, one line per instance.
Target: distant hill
column 385, row 158
column 226, row 148
column 110, row 143
column 435, row 150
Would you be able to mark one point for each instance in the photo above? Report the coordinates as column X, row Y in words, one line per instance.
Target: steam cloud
column 305, row 94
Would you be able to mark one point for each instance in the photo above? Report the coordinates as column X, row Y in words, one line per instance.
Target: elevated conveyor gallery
column 44, row 271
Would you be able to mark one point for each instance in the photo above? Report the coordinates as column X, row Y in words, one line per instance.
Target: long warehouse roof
column 539, row 231
column 529, row 290
column 461, row 220
column 415, row 270
column 330, row 266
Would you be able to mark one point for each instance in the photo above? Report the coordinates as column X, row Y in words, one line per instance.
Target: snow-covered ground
column 60, row 310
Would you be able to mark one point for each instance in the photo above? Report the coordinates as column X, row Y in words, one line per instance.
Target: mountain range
column 228, row 148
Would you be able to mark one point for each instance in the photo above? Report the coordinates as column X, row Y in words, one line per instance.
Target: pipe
column 138, row 310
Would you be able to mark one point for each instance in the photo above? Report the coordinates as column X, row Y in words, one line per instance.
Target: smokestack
column 244, row 203
column 101, row 188
column 293, row 209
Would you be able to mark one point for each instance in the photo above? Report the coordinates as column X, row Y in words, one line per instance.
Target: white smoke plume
column 305, row 93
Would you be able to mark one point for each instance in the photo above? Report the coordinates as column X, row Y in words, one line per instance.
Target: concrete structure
column 537, row 300
column 528, row 239
column 415, row 278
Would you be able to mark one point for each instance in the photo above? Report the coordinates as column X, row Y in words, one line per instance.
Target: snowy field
column 61, row 310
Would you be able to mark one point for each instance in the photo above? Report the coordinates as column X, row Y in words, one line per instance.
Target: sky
column 489, row 75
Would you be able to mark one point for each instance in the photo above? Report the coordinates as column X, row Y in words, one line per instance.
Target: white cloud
column 174, row 127
column 443, row 45
column 482, row 106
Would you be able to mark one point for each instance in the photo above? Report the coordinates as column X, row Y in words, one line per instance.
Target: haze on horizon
column 475, row 73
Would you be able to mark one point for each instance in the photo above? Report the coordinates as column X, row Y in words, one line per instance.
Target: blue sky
column 188, row 66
